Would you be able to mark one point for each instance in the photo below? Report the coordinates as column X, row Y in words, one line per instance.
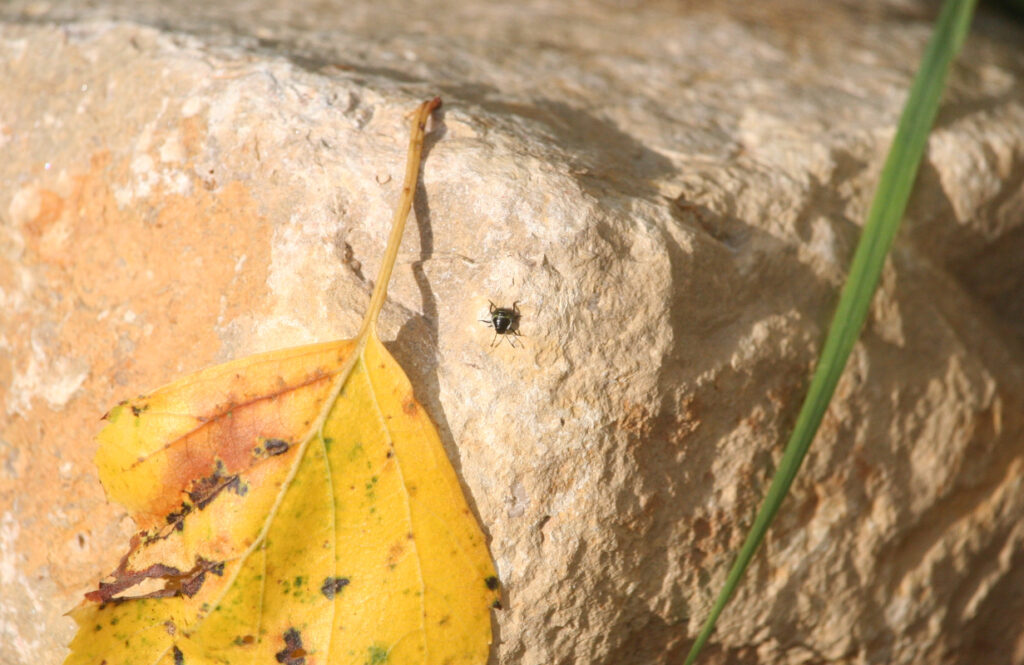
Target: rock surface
column 671, row 194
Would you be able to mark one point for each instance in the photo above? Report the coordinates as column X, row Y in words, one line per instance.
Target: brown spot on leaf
column 332, row 586
column 175, row 519
column 189, row 582
column 492, row 583
column 179, row 657
column 276, row 446
column 125, row 579
column 292, row 653
column 395, row 553
column 176, row 583
column 204, row 490
column 409, row 406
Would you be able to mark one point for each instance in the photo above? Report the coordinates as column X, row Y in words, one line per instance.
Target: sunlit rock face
column 669, row 195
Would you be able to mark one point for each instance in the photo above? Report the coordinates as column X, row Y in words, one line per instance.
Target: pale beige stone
column 671, row 193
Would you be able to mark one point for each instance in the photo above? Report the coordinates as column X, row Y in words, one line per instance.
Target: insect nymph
column 504, row 320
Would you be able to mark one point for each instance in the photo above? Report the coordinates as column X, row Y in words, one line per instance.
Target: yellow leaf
column 293, row 507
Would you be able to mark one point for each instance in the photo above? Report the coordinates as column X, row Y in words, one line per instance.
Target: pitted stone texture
column 671, row 194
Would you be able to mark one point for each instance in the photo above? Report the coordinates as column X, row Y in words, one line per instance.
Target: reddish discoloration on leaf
column 395, row 552
column 198, row 435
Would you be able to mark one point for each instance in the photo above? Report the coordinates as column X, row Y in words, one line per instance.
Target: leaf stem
column 380, row 292
column 412, row 170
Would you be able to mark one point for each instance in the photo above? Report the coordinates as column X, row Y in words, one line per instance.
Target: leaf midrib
column 315, row 431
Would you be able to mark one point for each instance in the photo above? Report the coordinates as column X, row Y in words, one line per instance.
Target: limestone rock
column 672, row 195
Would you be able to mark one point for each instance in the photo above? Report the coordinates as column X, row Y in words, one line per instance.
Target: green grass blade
column 882, row 223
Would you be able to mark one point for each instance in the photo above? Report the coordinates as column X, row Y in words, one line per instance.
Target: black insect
column 505, row 321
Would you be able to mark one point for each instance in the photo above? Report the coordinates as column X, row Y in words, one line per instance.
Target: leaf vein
column 408, row 510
